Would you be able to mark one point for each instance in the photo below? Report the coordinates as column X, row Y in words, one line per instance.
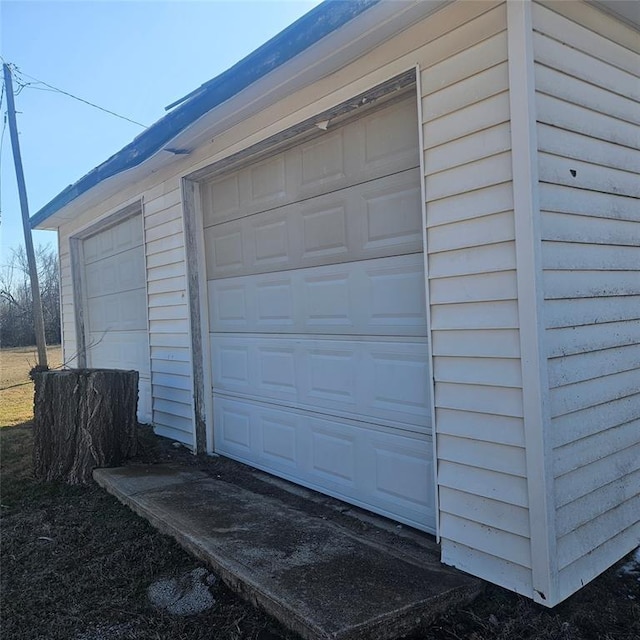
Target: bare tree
column 16, row 308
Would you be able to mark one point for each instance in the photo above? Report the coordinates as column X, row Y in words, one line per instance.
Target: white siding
column 588, row 129
column 482, row 478
column 171, row 368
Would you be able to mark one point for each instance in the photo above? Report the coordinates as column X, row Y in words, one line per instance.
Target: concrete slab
column 322, row 577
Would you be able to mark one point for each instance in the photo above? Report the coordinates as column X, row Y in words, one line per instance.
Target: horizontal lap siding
column 484, row 519
column 587, row 94
column 171, row 367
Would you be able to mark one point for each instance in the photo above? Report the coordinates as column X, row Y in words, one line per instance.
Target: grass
column 16, row 389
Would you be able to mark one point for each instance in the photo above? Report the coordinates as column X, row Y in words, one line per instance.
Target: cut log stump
column 83, row 419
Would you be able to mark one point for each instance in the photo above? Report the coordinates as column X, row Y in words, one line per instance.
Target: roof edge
column 293, row 40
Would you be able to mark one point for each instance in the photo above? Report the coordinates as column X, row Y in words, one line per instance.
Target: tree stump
column 83, row 419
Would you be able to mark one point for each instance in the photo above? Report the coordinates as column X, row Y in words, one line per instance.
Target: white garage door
column 116, row 304
column 317, row 313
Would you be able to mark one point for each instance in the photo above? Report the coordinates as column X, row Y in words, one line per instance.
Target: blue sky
column 133, row 58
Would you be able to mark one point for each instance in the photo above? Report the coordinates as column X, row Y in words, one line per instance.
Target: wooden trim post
column 189, row 199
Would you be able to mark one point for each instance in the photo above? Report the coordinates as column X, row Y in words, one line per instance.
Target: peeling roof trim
column 302, row 34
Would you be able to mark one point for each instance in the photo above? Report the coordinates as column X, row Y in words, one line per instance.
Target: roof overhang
column 322, row 41
column 327, row 38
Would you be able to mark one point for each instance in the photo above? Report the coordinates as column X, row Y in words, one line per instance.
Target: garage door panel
column 394, row 217
column 124, row 311
column 385, row 382
column 397, row 296
column 382, row 143
column 120, row 350
column 331, row 374
column 121, row 272
column 234, row 424
column 390, row 137
column 403, row 471
column 270, row 243
column 279, row 363
column 333, row 454
column 329, row 299
column 344, row 458
column 368, row 221
column 277, row 438
column 323, row 160
column 373, row 297
column 221, row 199
column 325, row 233
column 125, row 235
column 226, row 253
column 267, row 181
column 400, row 382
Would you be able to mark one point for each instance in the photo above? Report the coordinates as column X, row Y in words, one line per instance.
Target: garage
column 285, row 273
column 316, row 295
column 115, row 303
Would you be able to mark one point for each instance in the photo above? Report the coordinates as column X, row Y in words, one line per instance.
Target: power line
column 30, row 85
column 22, row 84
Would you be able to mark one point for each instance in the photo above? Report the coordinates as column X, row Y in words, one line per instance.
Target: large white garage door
column 317, row 312
column 116, row 304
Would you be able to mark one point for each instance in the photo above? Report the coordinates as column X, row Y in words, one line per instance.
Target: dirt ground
column 77, row 565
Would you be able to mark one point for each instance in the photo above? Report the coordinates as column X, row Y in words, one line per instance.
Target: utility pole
column 38, row 318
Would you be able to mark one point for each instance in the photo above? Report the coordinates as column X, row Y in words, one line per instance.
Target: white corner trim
column 530, row 301
column 145, row 247
column 423, row 192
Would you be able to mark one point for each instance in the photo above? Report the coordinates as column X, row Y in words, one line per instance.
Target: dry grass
column 16, row 390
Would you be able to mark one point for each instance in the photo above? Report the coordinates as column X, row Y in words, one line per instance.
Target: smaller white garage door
column 116, row 304
column 318, row 318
